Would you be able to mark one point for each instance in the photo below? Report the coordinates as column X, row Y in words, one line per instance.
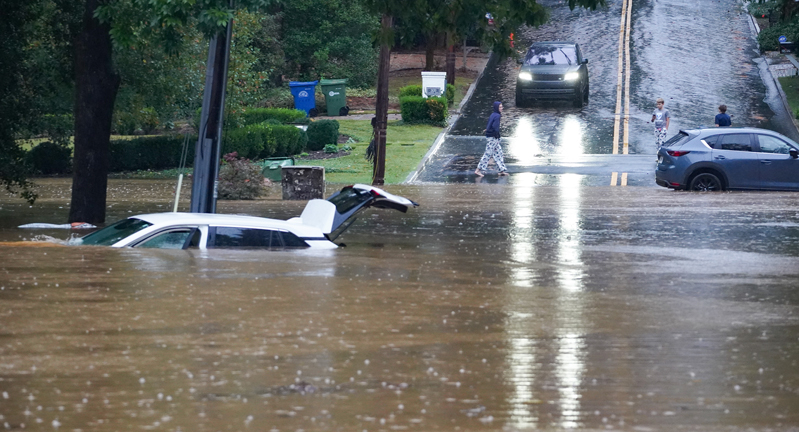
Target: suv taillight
column 677, row 153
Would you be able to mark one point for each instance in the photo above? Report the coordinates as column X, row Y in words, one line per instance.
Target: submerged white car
column 318, row 226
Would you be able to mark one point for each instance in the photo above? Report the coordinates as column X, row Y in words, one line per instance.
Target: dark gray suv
column 716, row 159
column 553, row 70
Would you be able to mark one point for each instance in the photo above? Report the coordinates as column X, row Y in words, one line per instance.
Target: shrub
column 137, row 121
column 150, row 153
column 50, row 158
column 58, row 128
column 416, row 109
column 450, row 94
column 287, row 141
column 411, row 90
column 240, row 179
column 248, row 142
column 331, row 148
column 769, row 38
column 321, row 133
column 283, row 115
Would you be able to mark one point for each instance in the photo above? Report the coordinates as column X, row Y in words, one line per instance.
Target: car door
column 778, row 169
column 734, row 154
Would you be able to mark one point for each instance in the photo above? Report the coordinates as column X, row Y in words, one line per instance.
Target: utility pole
column 209, row 143
column 381, row 108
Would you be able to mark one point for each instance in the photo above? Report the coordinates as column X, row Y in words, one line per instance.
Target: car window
column 738, row 142
column 551, row 55
column 349, row 198
column 234, row 237
column 174, row 239
column 115, row 232
column 680, row 138
column 770, row 144
column 712, row 140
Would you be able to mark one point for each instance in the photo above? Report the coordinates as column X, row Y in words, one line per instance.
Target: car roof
column 169, row 219
column 562, row 43
column 730, row 129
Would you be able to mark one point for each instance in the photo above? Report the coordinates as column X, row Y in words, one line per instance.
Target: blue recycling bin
column 304, row 93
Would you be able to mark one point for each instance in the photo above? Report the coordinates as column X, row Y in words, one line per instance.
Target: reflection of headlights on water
column 525, row 76
column 571, row 76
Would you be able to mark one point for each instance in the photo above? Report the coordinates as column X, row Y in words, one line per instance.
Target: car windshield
column 113, row 233
column 551, row 55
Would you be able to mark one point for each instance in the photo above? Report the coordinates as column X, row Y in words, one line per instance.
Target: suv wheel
column 579, row 97
column 705, row 182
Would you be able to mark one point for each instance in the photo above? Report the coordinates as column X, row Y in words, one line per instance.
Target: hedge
column 263, row 141
column 150, row 153
column 284, row 115
column 50, row 158
column 416, row 90
column 321, row 133
column 416, row 109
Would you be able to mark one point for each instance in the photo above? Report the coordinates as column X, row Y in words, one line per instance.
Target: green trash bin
column 335, row 91
column 273, row 167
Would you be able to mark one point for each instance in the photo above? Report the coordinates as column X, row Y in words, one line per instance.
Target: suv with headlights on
column 553, row 70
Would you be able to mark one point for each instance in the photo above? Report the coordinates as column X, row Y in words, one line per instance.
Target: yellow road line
column 624, row 179
column 613, row 178
column 616, row 117
column 627, row 86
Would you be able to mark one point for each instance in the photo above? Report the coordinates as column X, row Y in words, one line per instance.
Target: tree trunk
column 96, row 86
column 430, row 53
column 450, row 59
column 381, row 107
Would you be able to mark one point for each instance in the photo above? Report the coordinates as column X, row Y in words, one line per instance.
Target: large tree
column 120, row 22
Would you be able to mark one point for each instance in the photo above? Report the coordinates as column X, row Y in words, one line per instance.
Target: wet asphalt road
column 489, row 308
column 695, row 55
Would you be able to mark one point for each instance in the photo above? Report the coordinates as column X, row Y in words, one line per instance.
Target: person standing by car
column 722, row 118
column 661, row 118
column 493, row 147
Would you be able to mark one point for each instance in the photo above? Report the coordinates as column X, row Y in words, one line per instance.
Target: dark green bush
column 50, row 158
column 450, row 94
column 150, row 153
column 287, row 139
column 136, row 121
column 284, row 115
column 248, row 142
column 765, row 8
column 321, row 133
column 769, row 38
column 416, row 109
column 58, row 128
column 240, row 179
column 410, row 90
column 331, row 148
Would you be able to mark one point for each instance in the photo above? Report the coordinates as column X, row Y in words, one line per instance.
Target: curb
column 756, row 28
column 451, row 120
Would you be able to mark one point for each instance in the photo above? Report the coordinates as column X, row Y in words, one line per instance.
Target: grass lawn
column 406, row 145
column 791, row 87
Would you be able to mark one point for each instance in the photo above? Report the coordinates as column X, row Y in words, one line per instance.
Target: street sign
column 783, row 39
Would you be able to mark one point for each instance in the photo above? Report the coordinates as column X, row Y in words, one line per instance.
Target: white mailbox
column 434, row 84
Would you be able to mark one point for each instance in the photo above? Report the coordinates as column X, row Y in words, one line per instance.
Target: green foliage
column 283, row 115
column 140, row 121
column 764, row 8
column 450, row 94
column 331, row 148
column 410, row 90
column 768, row 39
column 50, row 158
column 325, row 39
column 321, row 133
column 150, row 153
column 56, row 128
column 416, row 109
column 240, row 179
column 263, row 141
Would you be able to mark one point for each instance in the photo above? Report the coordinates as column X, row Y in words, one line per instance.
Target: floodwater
column 489, row 307
column 694, row 54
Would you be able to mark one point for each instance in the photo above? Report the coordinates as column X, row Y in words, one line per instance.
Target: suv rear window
column 678, row 139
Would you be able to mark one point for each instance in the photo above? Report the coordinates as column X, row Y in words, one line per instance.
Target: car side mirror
column 585, row 61
column 794, row 153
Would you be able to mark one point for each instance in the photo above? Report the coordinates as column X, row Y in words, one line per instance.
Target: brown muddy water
column 490, row 307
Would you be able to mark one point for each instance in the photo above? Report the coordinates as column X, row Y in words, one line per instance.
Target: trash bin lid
column 302, row 83
column 333, row 82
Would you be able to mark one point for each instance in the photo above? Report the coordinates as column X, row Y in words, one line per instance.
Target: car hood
column 550, row 69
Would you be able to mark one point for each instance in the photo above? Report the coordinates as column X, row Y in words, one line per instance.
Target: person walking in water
column 493, row 148
column 722, row 118
column 661, row 118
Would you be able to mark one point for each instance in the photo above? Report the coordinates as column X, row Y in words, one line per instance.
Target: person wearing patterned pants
column 493, row 147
